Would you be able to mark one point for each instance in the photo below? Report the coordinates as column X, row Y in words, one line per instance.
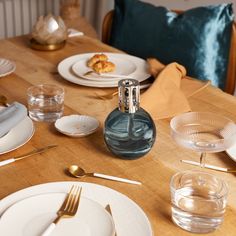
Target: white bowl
column 77, row 125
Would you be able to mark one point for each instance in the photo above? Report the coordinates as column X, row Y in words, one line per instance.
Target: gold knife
column 37, row 151
column 108, row 209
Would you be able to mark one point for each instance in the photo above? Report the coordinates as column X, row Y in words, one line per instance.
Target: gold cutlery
column 212, row 167
column 107, row 96
column 108, row 209
column 111, row 95
column 68, row 208
column 3, row 101
column 17, row 158
column 78, row 172
column 107, row 75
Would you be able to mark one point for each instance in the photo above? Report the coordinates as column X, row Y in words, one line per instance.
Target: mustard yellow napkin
column 165, row 97
column 190, row 86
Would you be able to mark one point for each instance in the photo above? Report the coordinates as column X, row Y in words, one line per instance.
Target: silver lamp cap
column 129, row 95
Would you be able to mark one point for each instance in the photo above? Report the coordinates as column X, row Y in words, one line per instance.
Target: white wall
column 95, row 10
column 18, row 16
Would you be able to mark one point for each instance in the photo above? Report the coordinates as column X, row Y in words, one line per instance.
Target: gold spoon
column 78, row 172
column 3, row 101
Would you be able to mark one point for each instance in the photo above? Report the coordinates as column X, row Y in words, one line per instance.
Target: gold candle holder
column 46, row 47
column 49, row 33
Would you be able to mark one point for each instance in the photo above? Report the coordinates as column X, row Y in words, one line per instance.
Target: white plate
column 77, row 125
column 123, row 67
column 17, row 136
column 65, row 70
column 128, row 217
column 232, row 152
column 31, row 216
column 6, row 67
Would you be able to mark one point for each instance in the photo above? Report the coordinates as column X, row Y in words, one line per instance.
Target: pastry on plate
column 103, row 67
column 96, row 58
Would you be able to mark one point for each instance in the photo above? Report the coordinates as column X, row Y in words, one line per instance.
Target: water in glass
column 198, row 201
column 45, row 103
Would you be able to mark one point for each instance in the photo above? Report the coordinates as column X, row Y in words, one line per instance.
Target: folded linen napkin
column 191, row 86
column 165, row 98
column 74, row 33
column 11, row 116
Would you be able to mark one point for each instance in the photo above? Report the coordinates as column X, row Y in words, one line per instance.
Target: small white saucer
column 6, row 67
column 77, row 125
column 232, row 152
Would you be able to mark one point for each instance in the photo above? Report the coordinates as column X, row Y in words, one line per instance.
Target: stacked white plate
column 29, row 211
column 31, row 216
column 17, row 136
column 73, row 69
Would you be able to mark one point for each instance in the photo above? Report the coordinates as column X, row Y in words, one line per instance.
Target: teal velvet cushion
column 198, row 38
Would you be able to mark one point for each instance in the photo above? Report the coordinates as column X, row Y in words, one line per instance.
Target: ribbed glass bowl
column 203, row 131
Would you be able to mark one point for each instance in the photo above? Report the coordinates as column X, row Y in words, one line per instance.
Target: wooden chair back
column 106, row 26
column 231, row 72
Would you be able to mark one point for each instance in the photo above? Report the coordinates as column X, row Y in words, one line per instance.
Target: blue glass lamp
column 129, row 131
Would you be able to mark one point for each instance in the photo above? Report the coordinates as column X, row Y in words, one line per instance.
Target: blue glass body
column 129, row 135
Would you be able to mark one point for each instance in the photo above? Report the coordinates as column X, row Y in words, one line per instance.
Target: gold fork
column 67, row 210
column 106, row 96
column 92, row 72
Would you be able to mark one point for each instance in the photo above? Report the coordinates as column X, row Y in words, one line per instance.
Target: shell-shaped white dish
column 6, row 67
column 77, row 125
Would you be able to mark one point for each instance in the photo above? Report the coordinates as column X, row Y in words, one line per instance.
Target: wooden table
column 154, row 170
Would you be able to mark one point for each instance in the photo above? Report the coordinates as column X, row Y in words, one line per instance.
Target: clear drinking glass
column 198, row 201
column 45, row 102
column 204, row 132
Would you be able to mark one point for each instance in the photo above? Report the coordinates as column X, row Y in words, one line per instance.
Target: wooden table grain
column 154, row 170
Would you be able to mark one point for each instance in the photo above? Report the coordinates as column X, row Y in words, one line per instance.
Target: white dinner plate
column 17, row 136
column 129, row 218
column 6, row 67
column 31, row 216
column 123, row 67
column 65, row 69
column 232, row 152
